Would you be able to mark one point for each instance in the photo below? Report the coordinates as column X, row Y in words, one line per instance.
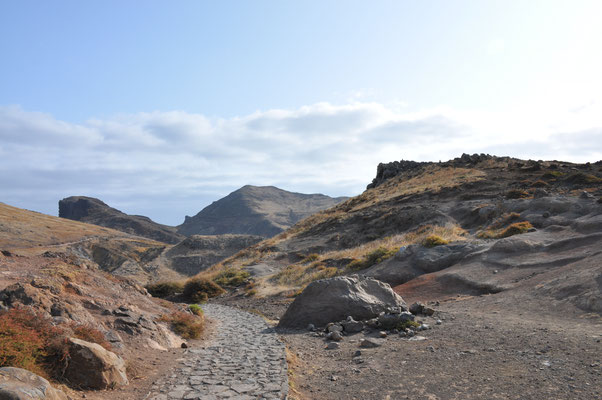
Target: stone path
column 245, row 360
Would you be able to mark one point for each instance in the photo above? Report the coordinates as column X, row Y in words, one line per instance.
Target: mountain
column 94, row 211
column 256, row 210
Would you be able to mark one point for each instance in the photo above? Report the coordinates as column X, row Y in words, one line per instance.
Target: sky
column 159, row 108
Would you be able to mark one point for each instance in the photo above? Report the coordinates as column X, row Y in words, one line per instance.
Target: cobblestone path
column 245, row 360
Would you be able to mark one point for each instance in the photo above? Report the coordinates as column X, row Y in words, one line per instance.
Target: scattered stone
column 20, row 384
column 334, row 328
column 311, row 327
column 357, row 353
column 368, row 343
column 334, row 299
column 428, row 311
column 417, row 338
column 335, row 335
column 332, row 346
column 382, row 334
column 438, row 322
column 184, row 345
column 334, row 378
column 416, row 308
column 430, row 348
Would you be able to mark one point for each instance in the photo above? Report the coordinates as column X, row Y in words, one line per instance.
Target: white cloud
column 168, row 164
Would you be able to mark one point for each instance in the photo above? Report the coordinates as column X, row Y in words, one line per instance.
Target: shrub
column 434, row 240
column 516, row 194
column 184, row 324
column 552, row 175
column 515, row 229
column 582, row 178
column 164, row 289
column 407, row 325
column 90, row 334
column 310, row 258
column 196, row 309
column 198, row 290
column 232, row 277
column 28, row 340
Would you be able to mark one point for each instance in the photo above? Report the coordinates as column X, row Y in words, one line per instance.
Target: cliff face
column 253, row 210
column 94, row 211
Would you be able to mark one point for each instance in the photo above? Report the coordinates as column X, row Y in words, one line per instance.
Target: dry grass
column 187, row 325
column 24, row 229
column 300, row 275
column 516, row 228
column 433, row 179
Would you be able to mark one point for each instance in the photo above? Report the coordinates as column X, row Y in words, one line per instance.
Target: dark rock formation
column 335, row 299
column 94, row 211
column 197, row 252
column 256, row 210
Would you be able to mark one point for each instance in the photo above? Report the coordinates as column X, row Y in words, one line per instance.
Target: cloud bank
column 169, row 164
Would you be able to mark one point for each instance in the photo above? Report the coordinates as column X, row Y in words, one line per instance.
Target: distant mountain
column 256, row 210
column 94, row 211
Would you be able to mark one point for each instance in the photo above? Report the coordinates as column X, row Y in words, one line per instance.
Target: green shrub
column 407, row 325
column 434, row 240
column 552, row 175
column 184, row 324
column 232, row 277
column 195, row 309
column 198, row 290
column 164, row 289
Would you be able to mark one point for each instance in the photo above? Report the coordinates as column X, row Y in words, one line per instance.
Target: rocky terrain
column 475, row 278
column 255, row 210
column 43, row 272
column 506, row 253
column 94, row 211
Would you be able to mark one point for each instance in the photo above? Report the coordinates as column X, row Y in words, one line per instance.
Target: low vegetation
column 199, row 290
column 196, row 309
column 185, row 324
column 513, row 229
column 517, row 194
column 165, row 289
column 374, row 257
column 232, row 277
column 582, row 178
column 31, row 341
column 434, row 240
column 300, row 275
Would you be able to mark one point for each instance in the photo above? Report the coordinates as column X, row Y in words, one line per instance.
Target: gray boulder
column 20, row 384
column 337, row 298
column 92, row 366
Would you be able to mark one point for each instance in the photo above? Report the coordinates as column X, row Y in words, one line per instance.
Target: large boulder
column 335, row 299
column 20, row 384
column 92, row 366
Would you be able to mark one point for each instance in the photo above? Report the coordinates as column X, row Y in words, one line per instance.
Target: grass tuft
column 434, row 240
column 184, row 324
column 232, row 277
column 198, row 290
column 164, row 289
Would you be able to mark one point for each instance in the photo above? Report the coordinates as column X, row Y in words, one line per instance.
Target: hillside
column 507, row 252
column 59, row 269
column 467, row 202
column 255, row 210
column 94, row 211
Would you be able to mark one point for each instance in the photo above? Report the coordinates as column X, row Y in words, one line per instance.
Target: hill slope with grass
column 94, row 211
column 255, row 210
column 457, row 221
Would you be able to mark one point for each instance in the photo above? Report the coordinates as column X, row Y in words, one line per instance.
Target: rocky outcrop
column 256, row 210
column 335, row 299
column 92, row 366
column 198, row 253
column 94, row 211
column 20, row 384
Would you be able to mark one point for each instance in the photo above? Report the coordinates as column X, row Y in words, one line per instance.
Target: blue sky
column 159, row 108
